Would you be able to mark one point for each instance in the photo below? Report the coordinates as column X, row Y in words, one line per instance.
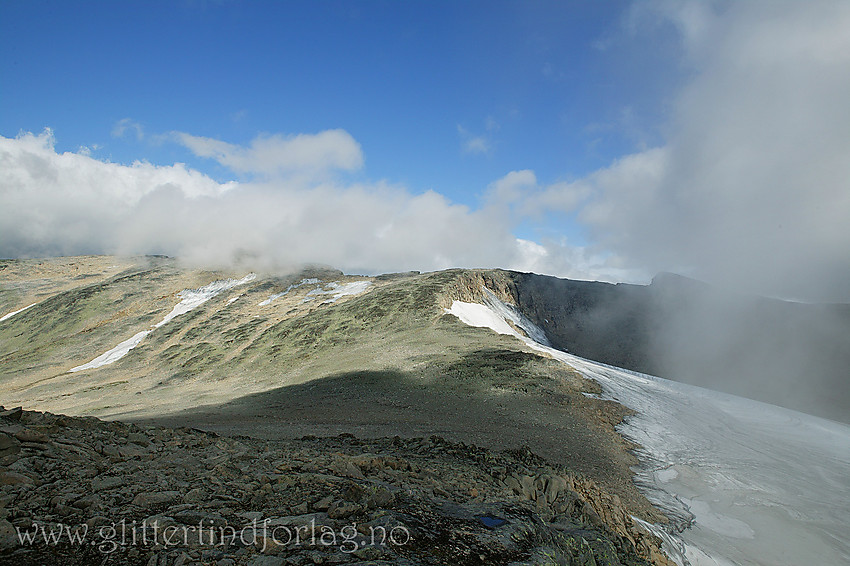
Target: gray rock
column 7, row 441
column 12, row 414
column 27, row 435
column 381, row 497
column 138, row 438
column 155, row 498
column 300, row 520
column 251, row 515
column 342, row 509
column 104, row 483
column 8, row 536
column 195, row 495
column 194, row 518
column 11, row 477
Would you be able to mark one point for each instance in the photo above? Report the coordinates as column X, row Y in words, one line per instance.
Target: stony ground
column 192, row 497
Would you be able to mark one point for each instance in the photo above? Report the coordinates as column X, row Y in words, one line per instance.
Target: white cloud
column 308, row 155
column 472, row 143
column 71, row 203
column 52, row 204
column 512, row 187
column 123, row 126
column 751, row 188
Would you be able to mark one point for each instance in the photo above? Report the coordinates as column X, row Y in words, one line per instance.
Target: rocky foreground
column 86, row 491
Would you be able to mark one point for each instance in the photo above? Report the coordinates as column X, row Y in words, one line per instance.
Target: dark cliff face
column 600, row 321
column 789, row 354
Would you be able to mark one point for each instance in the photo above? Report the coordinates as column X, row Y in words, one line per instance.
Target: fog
column 790, row 354
column 751, row 188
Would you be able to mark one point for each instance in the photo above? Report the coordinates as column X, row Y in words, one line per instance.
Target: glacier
column 742, row 482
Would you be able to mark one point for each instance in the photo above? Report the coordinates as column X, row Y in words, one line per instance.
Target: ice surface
column 13, row 313
column 192, row 298
column 745, row 482
column 664, row 476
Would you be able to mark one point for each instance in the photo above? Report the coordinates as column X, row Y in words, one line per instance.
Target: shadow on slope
column 501, row 399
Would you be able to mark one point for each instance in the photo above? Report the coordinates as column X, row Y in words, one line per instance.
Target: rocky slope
column 158, row 496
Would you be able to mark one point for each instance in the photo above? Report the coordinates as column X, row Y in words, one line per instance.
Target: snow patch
column 337, row 290
column 192, row 298
column 495, row 314
column 13, row 313
column 481, row 316
column 311, row 281
column 115, row 353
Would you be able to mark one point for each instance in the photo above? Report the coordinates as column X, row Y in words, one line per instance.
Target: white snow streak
column 13, row 313
column 192, row 298
column 495, row 315
column 311, row 281
column 115, row 353
column 337, row 290
column 481, row 316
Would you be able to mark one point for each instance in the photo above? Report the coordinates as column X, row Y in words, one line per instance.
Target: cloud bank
column 71, row 203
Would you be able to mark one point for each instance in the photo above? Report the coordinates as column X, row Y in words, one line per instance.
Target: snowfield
column 743, row 482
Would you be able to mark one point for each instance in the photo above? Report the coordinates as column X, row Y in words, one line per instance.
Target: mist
column 794, row 355
column 749, row 188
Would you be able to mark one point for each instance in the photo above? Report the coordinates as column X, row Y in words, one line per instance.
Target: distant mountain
column 790, row 354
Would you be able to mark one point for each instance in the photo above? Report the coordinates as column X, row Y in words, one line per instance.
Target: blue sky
column 447, row 97
column 411, row 82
